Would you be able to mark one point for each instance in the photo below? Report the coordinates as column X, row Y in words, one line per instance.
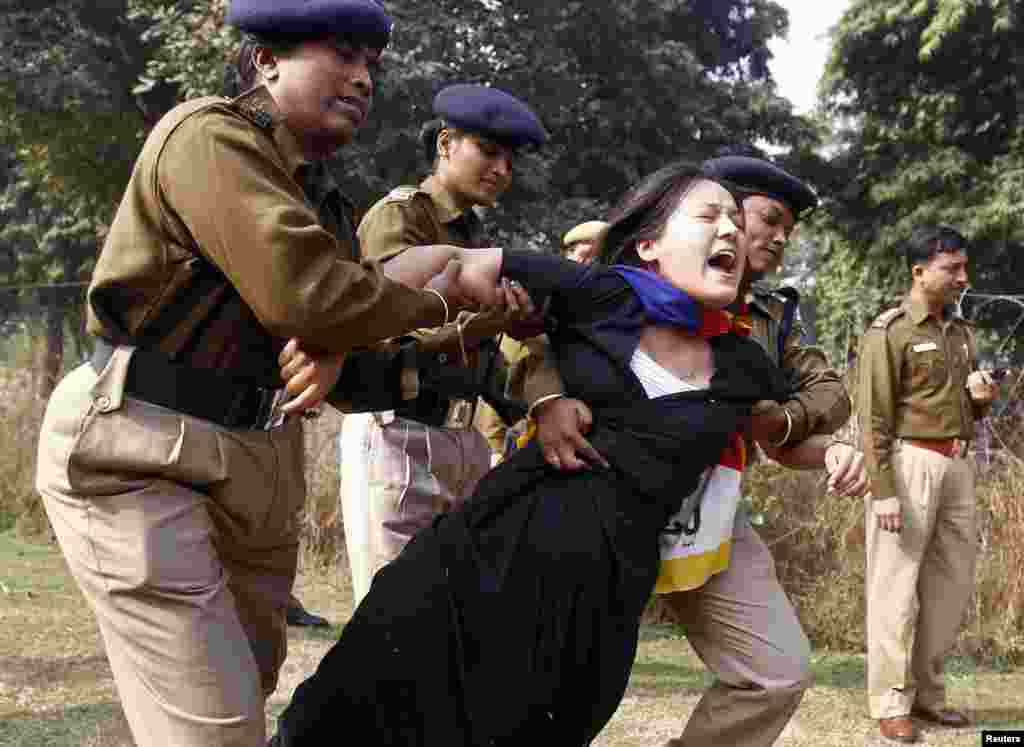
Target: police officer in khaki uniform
column 402, row 467
column 741, row 622
column 917, row 403
column 171, row 475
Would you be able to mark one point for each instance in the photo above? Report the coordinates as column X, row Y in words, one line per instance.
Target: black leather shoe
column 299, row 617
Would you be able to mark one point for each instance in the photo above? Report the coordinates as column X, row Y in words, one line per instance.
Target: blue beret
column 489, row 112
column 761, row 177
column 310, row 18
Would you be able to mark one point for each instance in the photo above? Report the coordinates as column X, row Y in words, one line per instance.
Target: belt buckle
column 460, row 414
column 270, row 415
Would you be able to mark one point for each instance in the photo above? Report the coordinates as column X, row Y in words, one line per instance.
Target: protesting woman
column 515, row 617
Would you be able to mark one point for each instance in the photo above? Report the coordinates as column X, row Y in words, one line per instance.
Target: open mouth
column 724, row 260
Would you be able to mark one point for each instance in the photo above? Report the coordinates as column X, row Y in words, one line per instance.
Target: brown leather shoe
column 899, row 728
column 943, row 716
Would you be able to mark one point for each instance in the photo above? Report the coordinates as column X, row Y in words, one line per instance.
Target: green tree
column 70, row 128
column 622, row 87
column 928, row 96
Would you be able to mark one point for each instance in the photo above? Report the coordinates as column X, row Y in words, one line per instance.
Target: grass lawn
column 56, row 688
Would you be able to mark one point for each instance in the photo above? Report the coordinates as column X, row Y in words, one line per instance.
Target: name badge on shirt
column 924, row 347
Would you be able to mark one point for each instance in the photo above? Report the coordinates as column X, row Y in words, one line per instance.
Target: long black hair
column 645, row 210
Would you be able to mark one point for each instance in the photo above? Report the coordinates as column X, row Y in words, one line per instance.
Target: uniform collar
column 447, row 209
column 756, row 296
column 317, row 181
column 919, row 313
column 259, row 106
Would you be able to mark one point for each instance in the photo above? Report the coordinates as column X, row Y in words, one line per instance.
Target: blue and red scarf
column 666, row 304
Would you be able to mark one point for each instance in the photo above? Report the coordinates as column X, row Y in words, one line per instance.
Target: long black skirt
column 516, row 616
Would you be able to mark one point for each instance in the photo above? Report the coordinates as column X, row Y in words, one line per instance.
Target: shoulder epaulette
column 887, row 317
column 257, row 105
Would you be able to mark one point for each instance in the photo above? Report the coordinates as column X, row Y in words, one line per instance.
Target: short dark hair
column 929, row 241
column 645, row 210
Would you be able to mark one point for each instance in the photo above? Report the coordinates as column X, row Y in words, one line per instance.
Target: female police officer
column 400, row 468
column 170, row 479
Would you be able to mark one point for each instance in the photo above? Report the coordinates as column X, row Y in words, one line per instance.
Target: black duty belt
column 202, row 393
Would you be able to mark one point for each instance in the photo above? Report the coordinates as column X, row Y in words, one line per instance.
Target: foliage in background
column 926, row 97
column 70, row 129
column 817, row 541
column 20, row 416
column 623, row 87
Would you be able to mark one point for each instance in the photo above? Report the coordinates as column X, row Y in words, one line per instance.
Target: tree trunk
column 53, row 352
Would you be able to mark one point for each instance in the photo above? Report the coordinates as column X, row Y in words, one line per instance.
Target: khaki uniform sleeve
column 821, row 404
column 535, row 375
column 392, row 226
column 389, row 228
column 225, row 181
column 878, row 385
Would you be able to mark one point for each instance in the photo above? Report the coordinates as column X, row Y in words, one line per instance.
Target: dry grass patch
column 56, row 689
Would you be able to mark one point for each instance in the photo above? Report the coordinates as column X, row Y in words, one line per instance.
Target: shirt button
column 103, row 403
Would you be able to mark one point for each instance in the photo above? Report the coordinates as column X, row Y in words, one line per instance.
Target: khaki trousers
column 395, row 479
column 746, row 632
column 919, row 581
column 183, row 537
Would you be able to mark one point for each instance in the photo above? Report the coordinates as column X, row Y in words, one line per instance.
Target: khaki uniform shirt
column 415, row 216
column 229, row 241
column 912, row 383
column 820, row 404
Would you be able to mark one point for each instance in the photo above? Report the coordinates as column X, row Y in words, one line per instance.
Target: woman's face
column 324, row 89
column 769, row 224
column 474, row 169
column 699, row 250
